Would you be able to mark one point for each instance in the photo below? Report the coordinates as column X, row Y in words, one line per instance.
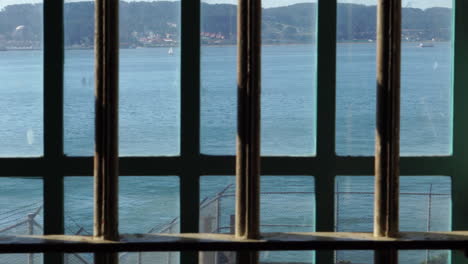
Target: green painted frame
column 191, row 164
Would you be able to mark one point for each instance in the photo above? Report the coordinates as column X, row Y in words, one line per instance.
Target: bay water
column 150, row 126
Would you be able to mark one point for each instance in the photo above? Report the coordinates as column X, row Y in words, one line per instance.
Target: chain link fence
column 21, row 221
column 217, row 216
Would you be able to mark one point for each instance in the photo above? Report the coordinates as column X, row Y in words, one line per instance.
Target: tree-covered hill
column 157, row 23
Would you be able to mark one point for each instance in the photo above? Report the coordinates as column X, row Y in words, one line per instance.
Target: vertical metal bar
column 190, row 122
column 326, row 92
column 460, row 122
column 387, row 152
column 106, row 135
column 248, row 124
column 53, row 123
column 53, row 79
column 106, row 141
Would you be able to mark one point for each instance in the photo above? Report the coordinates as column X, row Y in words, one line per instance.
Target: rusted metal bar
column 248, row 124
column 387, row 152
column 106, row 164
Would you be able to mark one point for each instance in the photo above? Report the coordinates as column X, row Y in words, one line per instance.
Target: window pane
column 21, row 213
column 128, row 258
column 149, row 78
column 146, row 205
column 425, row 205
column 288, row 77
column 404, row 256
column 425, row 78
column 79, row 78
column 149, row 258
column 209, row 257
column 218, row 78
column 288, row 82
column 21, row 72
column 287, row 205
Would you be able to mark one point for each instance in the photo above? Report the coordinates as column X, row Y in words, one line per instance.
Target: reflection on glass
column 425, row 78
column 149, row 78
column 21, row 213
column 287, row 205
column 21, row 72
column 288, row 82
column 425, row 205
column 146, row 205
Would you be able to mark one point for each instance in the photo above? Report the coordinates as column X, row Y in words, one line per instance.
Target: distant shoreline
column 224, row 45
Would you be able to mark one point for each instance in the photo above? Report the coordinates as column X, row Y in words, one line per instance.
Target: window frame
column 54, row 166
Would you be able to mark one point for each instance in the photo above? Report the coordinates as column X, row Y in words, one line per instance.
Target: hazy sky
column 273, row 3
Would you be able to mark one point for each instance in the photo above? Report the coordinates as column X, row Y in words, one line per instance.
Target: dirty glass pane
column 288, row 78
column 287, row 205
column 21, row 75
column 426, row 92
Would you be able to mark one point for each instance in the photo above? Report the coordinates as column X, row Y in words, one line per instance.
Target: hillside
column 156, row 23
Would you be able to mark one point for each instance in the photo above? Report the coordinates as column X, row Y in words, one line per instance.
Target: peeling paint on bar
column 106, row 156
column 248, row 125
column 387, row 142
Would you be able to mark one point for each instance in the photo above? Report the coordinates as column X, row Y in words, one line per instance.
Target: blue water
column 150, row 101
column 150, row 126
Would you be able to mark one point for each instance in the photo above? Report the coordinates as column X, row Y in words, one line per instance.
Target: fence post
column 218, row 212
column 218, row 216
column 31, row 232
column 232, row 224
column 337, row 214
column 428, row 225
column 139, row 257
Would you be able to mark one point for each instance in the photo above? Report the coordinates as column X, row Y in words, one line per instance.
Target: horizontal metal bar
column 224, row 165
column 456, row 240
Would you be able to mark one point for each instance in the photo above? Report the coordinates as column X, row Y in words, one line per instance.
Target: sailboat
column 170, row 51
column 426, row 45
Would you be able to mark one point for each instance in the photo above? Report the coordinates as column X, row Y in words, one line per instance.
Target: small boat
column 426, row 45
column 170, row 51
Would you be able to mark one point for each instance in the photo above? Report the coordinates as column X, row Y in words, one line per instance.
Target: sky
column 274, row 3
